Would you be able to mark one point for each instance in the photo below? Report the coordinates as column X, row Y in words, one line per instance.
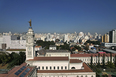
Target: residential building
column 105, row 38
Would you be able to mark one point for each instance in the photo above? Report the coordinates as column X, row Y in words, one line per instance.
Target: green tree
column 93, row 42
column 73, row 49
column 57, row 40
column 16, row 59
column 98, row 65
column 103, row 60
column 105, row 75
column 22, row 57
column 110, row 57
column 77, row 47
column 115, row 61
column 5, row 58
column 86, row 48
column 58, row 47
column 110, row 64
column 91, row 60
column 45, row 44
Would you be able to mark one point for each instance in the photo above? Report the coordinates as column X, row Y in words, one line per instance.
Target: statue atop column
column 30, row 22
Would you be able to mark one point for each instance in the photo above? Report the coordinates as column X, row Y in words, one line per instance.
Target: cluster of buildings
column 69, row 37
column 18, row 41
column 52, row 62
column 109, row 39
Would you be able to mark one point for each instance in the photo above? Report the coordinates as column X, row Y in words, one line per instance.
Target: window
column 46, row 67
column 42, row 67
column 54, row 67
column 50, row 67
column 65, row 67
column 38, row 67
column 62, row 67
column 73, row 68
column 58, row 67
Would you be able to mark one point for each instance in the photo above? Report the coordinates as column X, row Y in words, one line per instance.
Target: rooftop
column 37, row 46
column 49, row 59
column 12, row 72
column 89, row 55
column 75, row 61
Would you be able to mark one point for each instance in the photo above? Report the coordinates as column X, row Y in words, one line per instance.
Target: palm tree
column 91, row 60
column 103, row 60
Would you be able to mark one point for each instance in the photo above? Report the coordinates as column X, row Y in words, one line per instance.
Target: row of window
column 52, row 67
column 94, row 59
column 85, row 76
column 57, row 54
column 66, row 76
column 111, row 44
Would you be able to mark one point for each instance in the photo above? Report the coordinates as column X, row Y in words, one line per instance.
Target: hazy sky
column 62, row 16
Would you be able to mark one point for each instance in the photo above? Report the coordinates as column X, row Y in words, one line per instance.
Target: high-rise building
column 105, row 38
column 112, row 36
column 66, row 39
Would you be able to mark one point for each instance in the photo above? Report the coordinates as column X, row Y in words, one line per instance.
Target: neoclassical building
column 55, row 63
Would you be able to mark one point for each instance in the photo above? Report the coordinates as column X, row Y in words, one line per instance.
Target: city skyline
column 60, row 16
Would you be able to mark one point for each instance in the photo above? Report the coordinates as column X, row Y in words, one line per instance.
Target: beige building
column 105, row 38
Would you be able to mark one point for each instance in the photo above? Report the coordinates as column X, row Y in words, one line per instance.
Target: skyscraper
column 112, row 36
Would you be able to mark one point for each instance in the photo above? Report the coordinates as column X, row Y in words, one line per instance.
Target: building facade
column 112, row 36
column 105, row 38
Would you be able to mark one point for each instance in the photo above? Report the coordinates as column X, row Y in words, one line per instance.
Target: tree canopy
column 12, row 59
column 45, row 44
column 93, row 42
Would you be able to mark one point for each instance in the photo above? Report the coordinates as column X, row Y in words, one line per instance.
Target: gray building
column 112, row 36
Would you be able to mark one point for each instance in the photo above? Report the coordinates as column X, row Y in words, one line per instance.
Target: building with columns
column 55, row 63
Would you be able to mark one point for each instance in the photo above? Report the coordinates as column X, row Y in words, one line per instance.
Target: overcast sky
column 62, row 16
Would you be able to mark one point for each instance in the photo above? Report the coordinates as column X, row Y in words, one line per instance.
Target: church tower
column 30, row 54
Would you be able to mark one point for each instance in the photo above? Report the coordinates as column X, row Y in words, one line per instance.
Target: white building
column 87, row 58
column 12, row 44
column 55, row 64
column 108, row 44
column 52, row 47
column 66, row 38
